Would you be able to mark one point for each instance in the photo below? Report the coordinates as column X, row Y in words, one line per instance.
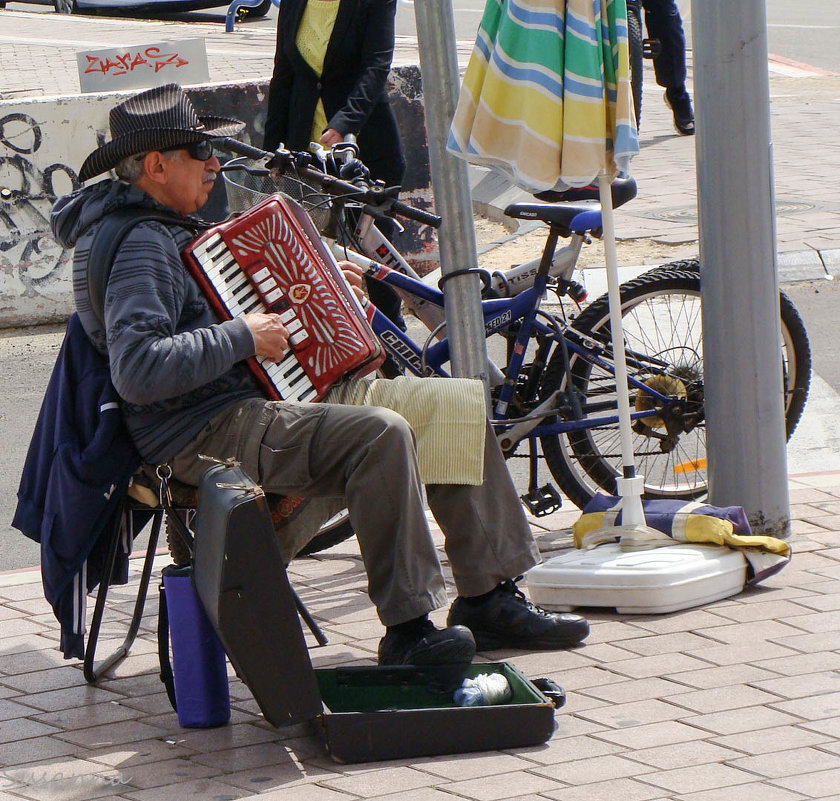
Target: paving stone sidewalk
column 738, row 698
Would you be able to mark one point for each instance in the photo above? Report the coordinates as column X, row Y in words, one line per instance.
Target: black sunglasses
column 200, row 151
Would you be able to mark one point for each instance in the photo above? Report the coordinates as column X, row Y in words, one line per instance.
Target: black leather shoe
column 680, row 104
column 427, row 646
column 505, row 618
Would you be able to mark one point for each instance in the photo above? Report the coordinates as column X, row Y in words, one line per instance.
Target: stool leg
column 308, row 619
column 92, row 670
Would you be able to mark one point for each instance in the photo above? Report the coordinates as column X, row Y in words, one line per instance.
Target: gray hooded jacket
column 172, row 362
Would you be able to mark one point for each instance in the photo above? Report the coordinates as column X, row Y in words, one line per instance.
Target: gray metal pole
column 745, row 415
column 450, row 181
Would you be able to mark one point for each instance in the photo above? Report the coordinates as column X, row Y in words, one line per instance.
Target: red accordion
column 271, row 259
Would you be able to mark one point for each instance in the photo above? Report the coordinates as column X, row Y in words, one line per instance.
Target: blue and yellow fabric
column 546, row 97
column 681, row 521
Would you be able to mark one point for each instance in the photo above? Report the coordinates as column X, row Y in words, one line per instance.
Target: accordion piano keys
column 236, row 291
column 268, row 259
column 289, row 378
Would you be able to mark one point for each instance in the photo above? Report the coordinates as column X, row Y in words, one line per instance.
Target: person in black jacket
column 331, row 67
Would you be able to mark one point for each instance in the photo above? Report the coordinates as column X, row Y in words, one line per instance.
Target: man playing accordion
column 185, row 389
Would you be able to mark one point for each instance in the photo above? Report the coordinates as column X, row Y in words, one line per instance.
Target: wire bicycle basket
column 247, row 183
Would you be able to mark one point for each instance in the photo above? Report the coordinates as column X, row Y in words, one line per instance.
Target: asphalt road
column 817, row 303
column 27, row 356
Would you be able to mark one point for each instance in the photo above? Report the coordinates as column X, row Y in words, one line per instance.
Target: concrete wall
column 43, row 143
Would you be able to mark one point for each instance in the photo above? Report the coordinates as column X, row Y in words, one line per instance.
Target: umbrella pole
column 634, row 533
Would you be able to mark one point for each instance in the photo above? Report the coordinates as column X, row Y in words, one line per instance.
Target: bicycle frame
column 429, row 311
column 498, row 314
column 563, row 384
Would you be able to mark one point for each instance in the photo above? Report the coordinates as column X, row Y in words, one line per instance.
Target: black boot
column 505, row 618
column 680, row 104
column 444, row 654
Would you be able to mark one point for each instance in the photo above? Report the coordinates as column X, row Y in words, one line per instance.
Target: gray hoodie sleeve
column 163, row 340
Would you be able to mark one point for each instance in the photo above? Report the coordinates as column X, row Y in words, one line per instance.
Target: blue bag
column 196, row 681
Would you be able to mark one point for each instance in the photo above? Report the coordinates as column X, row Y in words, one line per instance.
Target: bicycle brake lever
column 283, row 159
column 381, row 216
column 387, row 192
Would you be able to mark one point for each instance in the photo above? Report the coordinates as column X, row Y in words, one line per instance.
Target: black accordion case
column 361, row 713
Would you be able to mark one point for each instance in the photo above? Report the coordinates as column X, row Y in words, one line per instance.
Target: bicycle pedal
column 651, row 48
column 542, row 501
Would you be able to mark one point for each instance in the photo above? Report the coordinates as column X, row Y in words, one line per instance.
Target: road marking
column 780, row 65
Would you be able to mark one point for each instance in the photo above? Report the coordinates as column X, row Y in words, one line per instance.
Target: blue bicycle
column 553, row 390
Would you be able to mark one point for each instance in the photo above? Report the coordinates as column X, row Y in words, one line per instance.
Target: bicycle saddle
column 561, row 215
column 623, row 189
column 562, row 208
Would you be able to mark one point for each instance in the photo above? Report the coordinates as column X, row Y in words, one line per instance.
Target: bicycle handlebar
column 418, row 215
column 375, row 195
column 242, row 149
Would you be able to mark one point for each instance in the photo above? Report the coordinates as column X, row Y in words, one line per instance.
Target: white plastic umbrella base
column 629, row 538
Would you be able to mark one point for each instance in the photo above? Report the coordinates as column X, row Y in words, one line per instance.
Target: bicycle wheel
column 635, row 42
column 336, row 530
column 661, row 315
column 796, row 351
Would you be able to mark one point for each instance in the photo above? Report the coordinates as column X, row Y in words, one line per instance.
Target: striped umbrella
column 546, row 99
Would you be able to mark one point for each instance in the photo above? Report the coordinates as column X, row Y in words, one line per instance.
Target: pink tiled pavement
column 738, row 698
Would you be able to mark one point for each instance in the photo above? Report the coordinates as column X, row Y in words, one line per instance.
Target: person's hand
column 271, row 339
column 353, row 274
column 331, row 137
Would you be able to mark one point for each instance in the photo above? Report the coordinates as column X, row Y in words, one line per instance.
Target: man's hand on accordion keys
column 271, row 337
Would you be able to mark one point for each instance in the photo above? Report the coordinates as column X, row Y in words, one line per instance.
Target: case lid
column 241, row 579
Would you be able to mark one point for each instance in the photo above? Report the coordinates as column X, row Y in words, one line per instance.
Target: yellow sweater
column 313, row 36
column 447, row 415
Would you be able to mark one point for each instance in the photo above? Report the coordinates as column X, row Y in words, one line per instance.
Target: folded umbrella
column 546, row 99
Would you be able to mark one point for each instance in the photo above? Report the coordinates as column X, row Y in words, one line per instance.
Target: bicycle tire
column 587, row 461
column 336, row 530
column 637, row 65
column 795, row 342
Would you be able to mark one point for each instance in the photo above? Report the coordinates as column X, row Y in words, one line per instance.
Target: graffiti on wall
column 116, row 69
column 143, row 58
column 40, row 139
column 31, row 262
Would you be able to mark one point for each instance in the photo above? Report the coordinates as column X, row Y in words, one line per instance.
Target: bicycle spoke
column 662, row 325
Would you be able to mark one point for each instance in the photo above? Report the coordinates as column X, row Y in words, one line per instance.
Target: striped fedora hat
column 156, row 119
